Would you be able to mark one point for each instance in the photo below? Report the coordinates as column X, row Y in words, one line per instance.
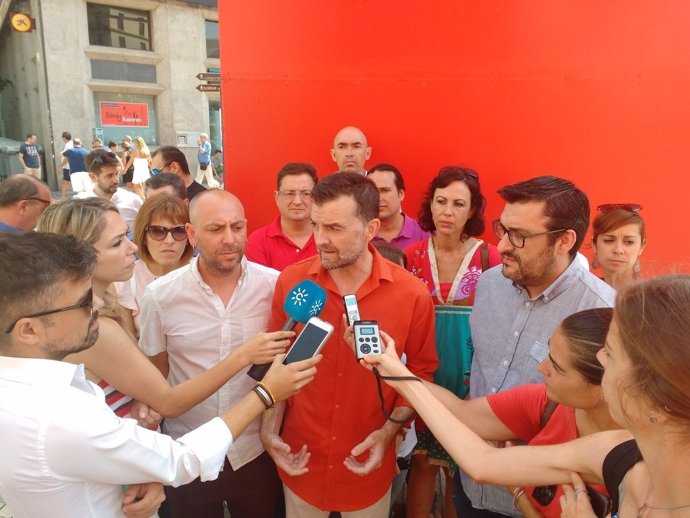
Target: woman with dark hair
column 618, row 240
column 161, row 236
column 449, row 263
column 646, row 358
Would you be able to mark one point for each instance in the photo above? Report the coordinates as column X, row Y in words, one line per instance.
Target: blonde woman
column 141, row 158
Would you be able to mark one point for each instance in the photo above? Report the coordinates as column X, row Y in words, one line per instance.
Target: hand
column 145, row 415
column 388, row 363
column 142, row 500
column 348, row 334
column 575, row 501
column 376, row 443
column 263, row 347
column 293, row 464
column 286, row 380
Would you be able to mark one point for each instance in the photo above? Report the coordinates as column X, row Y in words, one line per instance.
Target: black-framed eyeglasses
column 291, row 195
column 47, row 202
column 87, row 303
column 159, row 233
column 516, row 238
column 630, row 207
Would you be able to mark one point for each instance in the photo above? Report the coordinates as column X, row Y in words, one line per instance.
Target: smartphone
column 310, row 341
column 367, row 338
column 351, row 309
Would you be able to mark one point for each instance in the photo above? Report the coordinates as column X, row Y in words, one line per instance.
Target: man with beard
column 103, row 167
column 519, row 304
column 336, row 450
column 64, row 452
column 193, row 317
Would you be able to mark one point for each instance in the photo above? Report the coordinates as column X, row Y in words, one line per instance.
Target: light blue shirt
column 510, row 333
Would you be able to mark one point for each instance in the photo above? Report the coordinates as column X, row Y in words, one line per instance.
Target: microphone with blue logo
column 305, row 300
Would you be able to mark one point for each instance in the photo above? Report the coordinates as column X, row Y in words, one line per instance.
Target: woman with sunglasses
column 160, row 235
column 115, row 362
column 141, row 159
column 618, row 240
column 449, row 263
column 646, row 358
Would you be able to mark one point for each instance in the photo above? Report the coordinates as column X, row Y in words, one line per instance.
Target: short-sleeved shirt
column 30, row 154
column 510, row 333
column 521, row 410
column 340, row 408
column 205, row 156
column 181, row 315
column 75, row 158
column 270, row 247
column 410, row 233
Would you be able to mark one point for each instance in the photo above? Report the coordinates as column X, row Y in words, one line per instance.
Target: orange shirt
column 340, row 408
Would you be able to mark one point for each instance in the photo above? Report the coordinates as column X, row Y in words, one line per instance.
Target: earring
column 595, row 262
column 601, row 397
column 636, row 266
column 652, row 419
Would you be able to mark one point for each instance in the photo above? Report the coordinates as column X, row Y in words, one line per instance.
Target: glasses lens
column 499, row 229
column 179, row 233
column 630, row 207
column 156, row 232
column 305, row 195
column 544, row 494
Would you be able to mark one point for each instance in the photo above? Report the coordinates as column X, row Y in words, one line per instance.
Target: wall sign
column 124, row 114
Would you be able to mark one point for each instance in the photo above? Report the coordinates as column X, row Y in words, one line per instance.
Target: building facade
column 109, row 68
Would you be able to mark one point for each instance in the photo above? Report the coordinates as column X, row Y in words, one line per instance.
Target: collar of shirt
column 381, row 270
column 570, row 275
column 274, row 229
column 4, row 227
column 41, row 372
column 408, row 227
column 196, row 274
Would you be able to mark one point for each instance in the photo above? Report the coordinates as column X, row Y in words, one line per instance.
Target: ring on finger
column 580, row 490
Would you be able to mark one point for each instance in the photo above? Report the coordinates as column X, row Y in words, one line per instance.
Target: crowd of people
column 535, row 386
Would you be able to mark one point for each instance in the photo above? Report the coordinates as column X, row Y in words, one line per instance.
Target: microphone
column 305, row 300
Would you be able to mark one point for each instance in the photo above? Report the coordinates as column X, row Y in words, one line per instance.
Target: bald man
column 351, row 150
column 194, row 317
column 23, row 198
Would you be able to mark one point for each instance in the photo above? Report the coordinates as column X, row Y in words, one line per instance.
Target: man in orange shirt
column 337, row 449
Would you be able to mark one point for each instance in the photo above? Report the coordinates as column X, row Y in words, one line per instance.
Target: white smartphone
column 351, row 309
column 310, row 341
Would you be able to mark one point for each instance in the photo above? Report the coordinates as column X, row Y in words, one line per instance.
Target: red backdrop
column 593, row 91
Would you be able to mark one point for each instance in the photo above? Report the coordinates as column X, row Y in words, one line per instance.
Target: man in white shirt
column 190, row 319
column 103, row 167
column 64, row 452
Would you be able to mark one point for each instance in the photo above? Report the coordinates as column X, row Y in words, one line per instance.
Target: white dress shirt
column 126, row 202
column 181, row 315
column 65, row 454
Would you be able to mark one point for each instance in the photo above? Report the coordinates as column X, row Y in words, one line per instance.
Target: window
column 119, row 27
column 212, row 48
column 121, row 71
column 126, row 114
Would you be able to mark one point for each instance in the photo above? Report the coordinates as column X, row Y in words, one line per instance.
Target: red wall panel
column 592, row 91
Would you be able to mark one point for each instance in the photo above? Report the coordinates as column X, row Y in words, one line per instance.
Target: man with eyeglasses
column 519, row 304
column 23, row 198
column 289, row 237
column 103, row 167
column 169, row 159
column 64, row 451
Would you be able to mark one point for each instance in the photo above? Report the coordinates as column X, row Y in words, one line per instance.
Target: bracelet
column 268, row 391
column 517, row 493
column 263, row 396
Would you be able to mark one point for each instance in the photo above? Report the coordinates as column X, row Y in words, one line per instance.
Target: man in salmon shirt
column 336, row 451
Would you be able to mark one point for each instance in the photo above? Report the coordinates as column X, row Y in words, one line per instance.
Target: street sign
column 209, row 88
column 22, row 22
column 205, row 76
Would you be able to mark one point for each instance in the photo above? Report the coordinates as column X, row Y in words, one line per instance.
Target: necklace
column 646, row 506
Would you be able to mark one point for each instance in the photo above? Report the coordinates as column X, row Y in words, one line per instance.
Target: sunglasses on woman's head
column 159, row 233
column 630, row 207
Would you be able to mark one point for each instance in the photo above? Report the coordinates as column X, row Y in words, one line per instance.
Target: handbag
column 203, row 167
